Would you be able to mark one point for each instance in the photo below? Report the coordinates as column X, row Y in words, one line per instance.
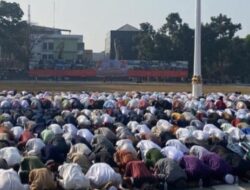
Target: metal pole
column 197, row 79
column 29, row 15
column 54, row 13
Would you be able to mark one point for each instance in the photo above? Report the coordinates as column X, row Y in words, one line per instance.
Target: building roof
column 128, row 27
column 44, row 28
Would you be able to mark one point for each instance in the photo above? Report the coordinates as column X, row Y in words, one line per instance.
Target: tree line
column 225, row 56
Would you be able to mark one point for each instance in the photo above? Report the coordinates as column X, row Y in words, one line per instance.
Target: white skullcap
column 229, row 179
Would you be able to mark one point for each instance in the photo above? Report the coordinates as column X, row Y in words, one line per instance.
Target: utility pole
column 197, row 78
column 29, row 15
column 54, row 13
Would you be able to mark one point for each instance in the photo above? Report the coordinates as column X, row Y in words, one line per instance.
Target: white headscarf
column 34, row 146
column 100, row 174
column 177, row 144
column 11, row 155
column 172, row 153
column 10, row 180
column 85, row 133
column 199, row 151
column 72, row 177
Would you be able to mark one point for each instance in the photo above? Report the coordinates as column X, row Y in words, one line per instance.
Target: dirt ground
column 115, row 86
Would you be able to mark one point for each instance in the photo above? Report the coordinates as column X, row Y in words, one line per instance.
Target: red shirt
column 137, row 169
column 220, row 105
column 25, row 137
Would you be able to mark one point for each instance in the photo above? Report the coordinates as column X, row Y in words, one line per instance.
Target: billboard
column 118, row 68
column 112, row 68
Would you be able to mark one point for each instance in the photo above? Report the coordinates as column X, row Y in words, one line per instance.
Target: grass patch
column 116, row 86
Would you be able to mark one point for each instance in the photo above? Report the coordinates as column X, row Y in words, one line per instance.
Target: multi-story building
column 119, row 44
column 51, row 48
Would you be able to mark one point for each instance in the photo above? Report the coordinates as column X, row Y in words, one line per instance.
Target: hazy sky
column 94, row 18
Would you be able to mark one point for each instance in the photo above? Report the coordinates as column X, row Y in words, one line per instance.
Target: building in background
column 88, row 55
column 56, row 55
column 88, row 59
column 52, row 48
column 98, row 56
column 119, row 43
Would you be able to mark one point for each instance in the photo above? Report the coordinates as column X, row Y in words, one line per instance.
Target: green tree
column 223, row 27
column 173, row 25
column 172, row 29
column 247, row 46
column 241, row 59
column 14, row 36
column 173, row 41
column 225, row 57
column 145, row 42
column 181, row 38
column 217, row 39
column 162, row 47
column 238, row 69
column 185, row 45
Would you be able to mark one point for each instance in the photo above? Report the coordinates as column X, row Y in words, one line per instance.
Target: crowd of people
column 130, row 140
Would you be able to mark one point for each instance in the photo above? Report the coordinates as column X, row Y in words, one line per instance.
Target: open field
column 115, row 86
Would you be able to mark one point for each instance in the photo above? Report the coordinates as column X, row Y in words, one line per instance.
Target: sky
column 95, row 18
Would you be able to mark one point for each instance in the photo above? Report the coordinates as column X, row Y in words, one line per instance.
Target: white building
column 51, row 48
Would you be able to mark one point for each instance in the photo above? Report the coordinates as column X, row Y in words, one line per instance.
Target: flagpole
column 197, row 78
